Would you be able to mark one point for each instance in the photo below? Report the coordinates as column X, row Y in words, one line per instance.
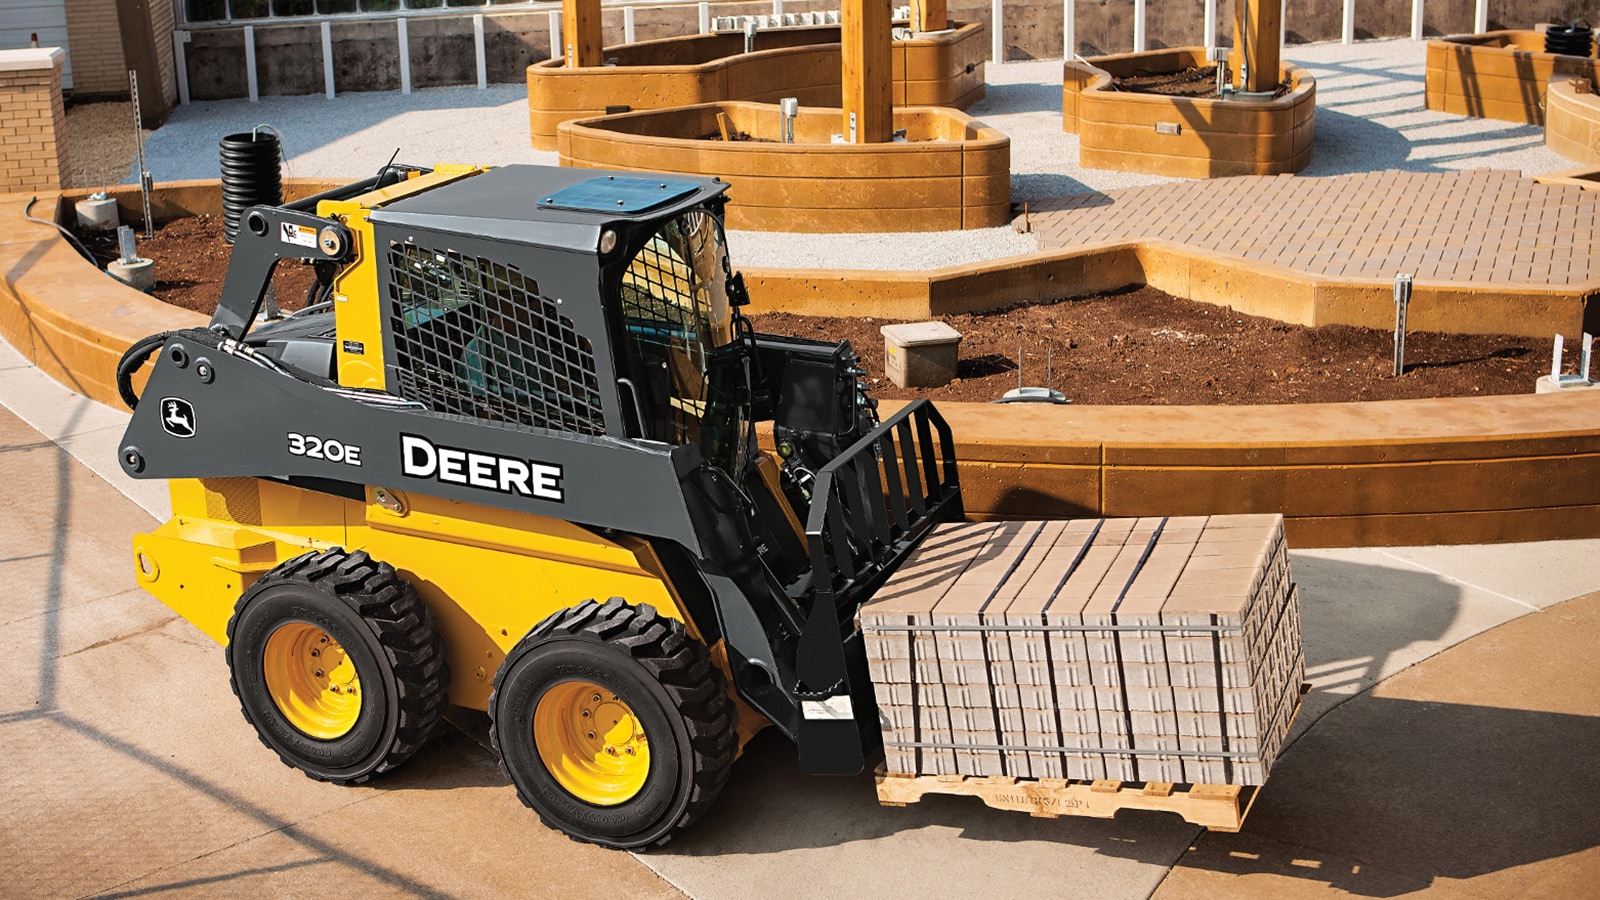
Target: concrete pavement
column 129, row 770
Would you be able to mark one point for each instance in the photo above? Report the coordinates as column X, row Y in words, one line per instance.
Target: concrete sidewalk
column 130, row 770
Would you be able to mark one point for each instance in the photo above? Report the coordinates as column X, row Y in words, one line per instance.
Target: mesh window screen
column 475, row 338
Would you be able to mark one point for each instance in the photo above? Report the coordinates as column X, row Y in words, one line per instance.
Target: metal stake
column 1402, row 300
column 138, row 138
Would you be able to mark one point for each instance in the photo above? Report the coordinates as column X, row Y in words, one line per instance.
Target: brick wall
column 97, row 62
column 161, row 24
column 33, row 152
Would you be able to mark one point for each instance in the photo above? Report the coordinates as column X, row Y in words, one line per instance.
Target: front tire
column 336, row 663
column 612, row 724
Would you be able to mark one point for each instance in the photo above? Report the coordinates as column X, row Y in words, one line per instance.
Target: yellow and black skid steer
column 506, row 458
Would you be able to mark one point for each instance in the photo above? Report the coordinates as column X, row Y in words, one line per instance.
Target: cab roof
column 549, row 206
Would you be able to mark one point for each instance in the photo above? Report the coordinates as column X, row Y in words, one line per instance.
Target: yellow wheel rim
column 591, row 743
column 312, row 680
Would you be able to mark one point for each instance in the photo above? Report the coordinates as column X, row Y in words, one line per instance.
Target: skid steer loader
column 506, row 458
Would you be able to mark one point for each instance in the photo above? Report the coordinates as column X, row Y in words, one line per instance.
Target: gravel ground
column 101, row 145
column 1370, row 116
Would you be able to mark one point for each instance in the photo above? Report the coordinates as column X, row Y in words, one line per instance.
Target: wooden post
column 868, row 67
column 1257, row 39
column 932, row 15
column 580, row 33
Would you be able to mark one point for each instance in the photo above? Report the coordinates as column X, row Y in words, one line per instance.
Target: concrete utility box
column 920, row 354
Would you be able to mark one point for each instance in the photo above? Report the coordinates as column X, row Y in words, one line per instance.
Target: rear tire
column 336, row 663
column 613, row 725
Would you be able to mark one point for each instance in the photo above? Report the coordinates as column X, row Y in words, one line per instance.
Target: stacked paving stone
column 1128, row 649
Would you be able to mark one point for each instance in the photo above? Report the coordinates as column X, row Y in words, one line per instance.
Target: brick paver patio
column 1478, row 226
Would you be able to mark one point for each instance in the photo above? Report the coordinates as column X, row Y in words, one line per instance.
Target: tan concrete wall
column 97, row 63
column 33, row 149
column 1497, row 75
column 1572, row 121
column 953, row 172
column 1467, row 470
column 938, row 70
column 1254, row 288
column 1117, row 129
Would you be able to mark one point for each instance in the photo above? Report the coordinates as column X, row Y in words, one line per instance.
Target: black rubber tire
column 664, row 675
column 387, row 632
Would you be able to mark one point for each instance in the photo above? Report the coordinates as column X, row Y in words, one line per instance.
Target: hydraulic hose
column 133, row 360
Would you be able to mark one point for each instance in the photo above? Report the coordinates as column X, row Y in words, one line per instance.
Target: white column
column 1480, row 17
column 1348, row 33
column 1211, row 24
column 405, row 54
column 777, row 7
column 627, row 24
column 705, row 17
column 1069, row 28
column 1416, row 20
column 477, row 46
column 555, row 33
column 1138, row 26
column 327, row 59
column 997, row 29
column 250, row 63
column 1283, row 26
column 180, row 64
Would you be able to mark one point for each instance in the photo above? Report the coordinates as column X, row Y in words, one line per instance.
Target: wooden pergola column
column 931, row 15
column 868, row 69
column 581, row 34
column 1257, row 27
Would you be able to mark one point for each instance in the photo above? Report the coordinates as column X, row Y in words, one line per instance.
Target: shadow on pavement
column 1430, row 790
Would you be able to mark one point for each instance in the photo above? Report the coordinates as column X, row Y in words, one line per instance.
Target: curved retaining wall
column 1572, row 121
column 935, row 69
column 1400, row 472
column 1251, row 287
column 952, row 172
column 1496, row 75
column 1197, row 137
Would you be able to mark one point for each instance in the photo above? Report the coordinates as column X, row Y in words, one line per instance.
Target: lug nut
column 597, row 698
column 591, row 735
column 319, row 673
column 316, row 653
column 323, row 639
column 586, row 714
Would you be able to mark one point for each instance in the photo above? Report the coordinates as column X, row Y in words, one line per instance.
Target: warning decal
column 299, row 235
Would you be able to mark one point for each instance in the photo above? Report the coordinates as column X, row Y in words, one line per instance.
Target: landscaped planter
column 1185, row 137
column 1468, row 470
column 951, row 172
column 943, row 68
column 1497, row 75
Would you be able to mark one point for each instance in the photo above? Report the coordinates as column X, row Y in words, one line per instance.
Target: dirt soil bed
column 1138, row 346
column 191, row 260
column 1142, row 346
column 1195, row 81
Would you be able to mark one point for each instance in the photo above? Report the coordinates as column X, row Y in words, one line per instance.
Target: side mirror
column 737, row 295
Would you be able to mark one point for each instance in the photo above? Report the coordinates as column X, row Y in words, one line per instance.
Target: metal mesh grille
column 233, row 500
column 475, row 338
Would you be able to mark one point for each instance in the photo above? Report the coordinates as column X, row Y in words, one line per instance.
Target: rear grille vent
column 475, row 338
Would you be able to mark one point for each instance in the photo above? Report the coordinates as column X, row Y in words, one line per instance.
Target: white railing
column 400, row 12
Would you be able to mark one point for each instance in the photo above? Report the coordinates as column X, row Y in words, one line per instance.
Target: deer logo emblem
column 177, row 417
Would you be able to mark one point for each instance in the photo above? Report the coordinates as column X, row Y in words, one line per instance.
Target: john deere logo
column 177, row 417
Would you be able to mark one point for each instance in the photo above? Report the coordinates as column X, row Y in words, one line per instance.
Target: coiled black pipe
column 1576, row 40
column 250, row 176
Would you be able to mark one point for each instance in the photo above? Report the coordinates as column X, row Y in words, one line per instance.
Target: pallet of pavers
column 1046, row 665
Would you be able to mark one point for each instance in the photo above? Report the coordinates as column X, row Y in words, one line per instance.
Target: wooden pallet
column 1216, row 807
